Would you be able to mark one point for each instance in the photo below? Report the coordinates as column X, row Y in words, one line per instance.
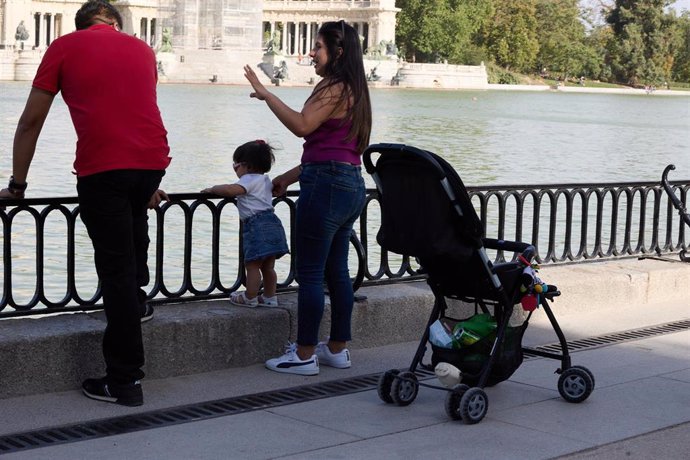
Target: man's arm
column 26, row 136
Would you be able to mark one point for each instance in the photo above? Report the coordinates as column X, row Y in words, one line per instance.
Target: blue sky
column 681, row 5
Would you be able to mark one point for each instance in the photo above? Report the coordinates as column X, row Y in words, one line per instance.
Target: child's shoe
column 268, row 301
column 241, row 300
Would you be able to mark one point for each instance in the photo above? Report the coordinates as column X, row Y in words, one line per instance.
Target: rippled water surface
column 490, row 137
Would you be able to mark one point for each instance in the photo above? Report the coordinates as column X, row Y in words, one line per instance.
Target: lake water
column 490, row 137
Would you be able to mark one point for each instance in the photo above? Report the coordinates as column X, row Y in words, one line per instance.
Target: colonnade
column 52, row 28
column 147, row 30
column 48, row 27
column 296, row 38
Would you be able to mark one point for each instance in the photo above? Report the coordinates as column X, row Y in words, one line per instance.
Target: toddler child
column 262, row 232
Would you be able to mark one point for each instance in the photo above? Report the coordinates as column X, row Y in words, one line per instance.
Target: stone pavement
column 640, row 407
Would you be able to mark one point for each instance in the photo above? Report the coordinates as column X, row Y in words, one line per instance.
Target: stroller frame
column 682, row 212
column 501, row 282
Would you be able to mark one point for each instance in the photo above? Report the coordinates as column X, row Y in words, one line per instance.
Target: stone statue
column 391, row 49
column 21, row 34
column 373, row 76
column 281, row 73
column 166, row 41
column 270, row 46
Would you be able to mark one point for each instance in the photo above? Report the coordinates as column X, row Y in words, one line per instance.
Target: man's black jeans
column 113, row 207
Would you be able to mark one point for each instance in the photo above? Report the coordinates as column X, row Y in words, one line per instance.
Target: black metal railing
column 47, row 257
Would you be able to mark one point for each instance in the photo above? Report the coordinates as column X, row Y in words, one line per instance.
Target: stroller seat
column 427, row 213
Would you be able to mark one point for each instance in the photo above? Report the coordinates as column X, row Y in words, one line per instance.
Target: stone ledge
column 56, row 353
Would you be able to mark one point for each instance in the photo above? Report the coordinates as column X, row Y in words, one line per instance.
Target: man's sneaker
column 147, row 313
column 290, row 363
column 340, row 360
column 104, row 390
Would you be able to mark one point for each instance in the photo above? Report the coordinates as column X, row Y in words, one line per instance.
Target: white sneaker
column 340, row 360
column 290, row 363
column 448, row 374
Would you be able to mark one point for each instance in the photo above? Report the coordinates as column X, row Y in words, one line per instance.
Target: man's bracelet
column 16, row 188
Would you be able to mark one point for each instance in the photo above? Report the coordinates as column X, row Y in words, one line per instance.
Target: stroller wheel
column 591, row 376
column 385, row 384
column 453, row 401
column 575, row 384
column 473, row 405
column 405, row 388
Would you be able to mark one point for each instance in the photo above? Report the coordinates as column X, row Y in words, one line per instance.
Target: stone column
column 284, row 39
column 309, row 45
column 152, row 32
column 37, row 30
column 295, row 40
column 48, row 17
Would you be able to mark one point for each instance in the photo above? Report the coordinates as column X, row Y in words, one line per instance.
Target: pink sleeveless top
column 328, row 143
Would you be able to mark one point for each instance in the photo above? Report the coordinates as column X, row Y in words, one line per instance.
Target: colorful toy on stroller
column 426, row 213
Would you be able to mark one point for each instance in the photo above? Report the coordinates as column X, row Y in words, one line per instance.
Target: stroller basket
column 470, row 360
column 426, row 213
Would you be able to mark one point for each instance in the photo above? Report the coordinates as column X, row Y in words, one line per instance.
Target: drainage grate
column 617, row 337
column 240, row 404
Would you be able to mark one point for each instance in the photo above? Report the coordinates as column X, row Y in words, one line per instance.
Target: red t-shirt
column 108, row 81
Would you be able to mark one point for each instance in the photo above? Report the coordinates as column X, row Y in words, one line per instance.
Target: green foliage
column 432, row 30
column 640, row 43
column 562, row 48
column 498, row 75
column 640, row 51
column 680, row 70
column 510, row 36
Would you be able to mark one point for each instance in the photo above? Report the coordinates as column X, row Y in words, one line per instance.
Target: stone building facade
column 205, row 24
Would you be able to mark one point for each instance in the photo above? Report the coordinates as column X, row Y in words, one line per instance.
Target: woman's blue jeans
column 331, row 198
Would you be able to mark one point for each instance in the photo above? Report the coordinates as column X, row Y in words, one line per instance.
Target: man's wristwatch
column 16, row 188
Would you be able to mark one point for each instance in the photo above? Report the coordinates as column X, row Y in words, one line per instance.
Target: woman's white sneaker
column 340, row 360
column 290, row 363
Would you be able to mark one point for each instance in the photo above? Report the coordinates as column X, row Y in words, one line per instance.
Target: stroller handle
column 672, row 196
column 525, row 249
column 385, row 148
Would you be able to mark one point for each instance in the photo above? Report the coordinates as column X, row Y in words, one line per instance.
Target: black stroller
column 426, row 213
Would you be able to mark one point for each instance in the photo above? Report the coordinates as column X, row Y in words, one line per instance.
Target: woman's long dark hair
column 348, row 70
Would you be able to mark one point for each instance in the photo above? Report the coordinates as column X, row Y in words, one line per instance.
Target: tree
column 680, row 70
column 640, row 50
column 561, row 37
column 431, row 30
column 510, row 36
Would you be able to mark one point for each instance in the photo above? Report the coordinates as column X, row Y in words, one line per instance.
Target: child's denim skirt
column 263, row 236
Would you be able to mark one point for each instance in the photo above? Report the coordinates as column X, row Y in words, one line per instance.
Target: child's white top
column 259, row 196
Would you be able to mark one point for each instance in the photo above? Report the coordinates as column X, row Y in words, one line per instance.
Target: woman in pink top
column 335, row 123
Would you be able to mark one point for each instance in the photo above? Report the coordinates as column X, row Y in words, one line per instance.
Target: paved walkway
column 640, row 408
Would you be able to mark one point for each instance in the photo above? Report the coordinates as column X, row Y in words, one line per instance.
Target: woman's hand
column 283, row 181
column 280, row 186
column 260, row 91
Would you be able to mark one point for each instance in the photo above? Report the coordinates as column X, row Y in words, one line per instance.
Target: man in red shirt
column 108, row 81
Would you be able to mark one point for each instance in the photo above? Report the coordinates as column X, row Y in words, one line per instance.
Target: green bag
column 473, row 329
